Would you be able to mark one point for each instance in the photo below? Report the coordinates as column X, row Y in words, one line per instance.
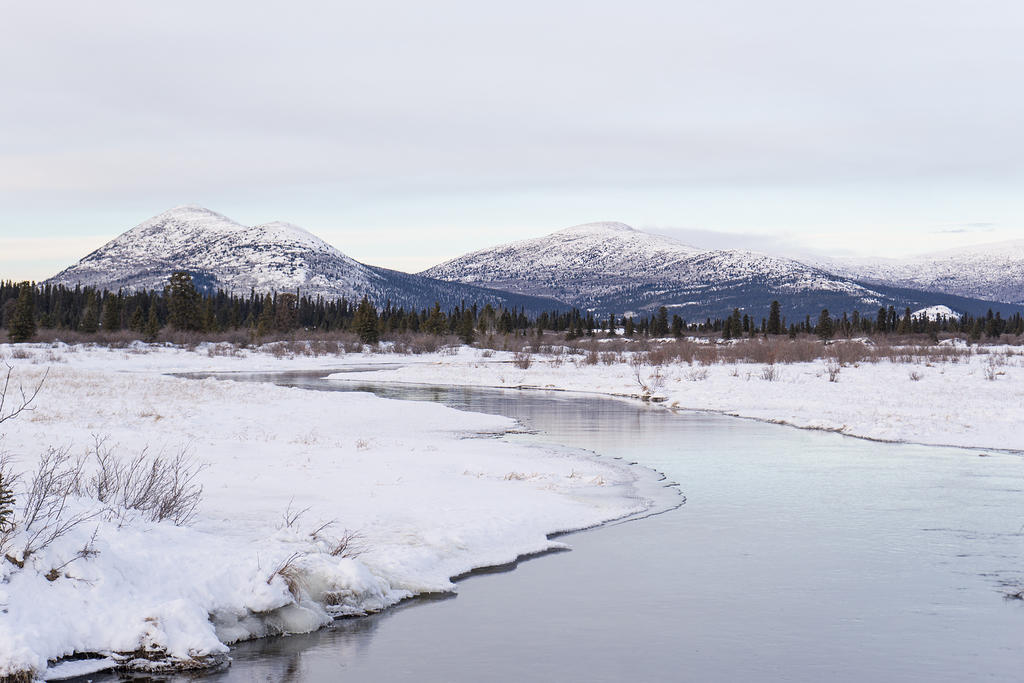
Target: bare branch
column 26, row 398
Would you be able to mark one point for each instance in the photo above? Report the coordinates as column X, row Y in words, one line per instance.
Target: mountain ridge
column 993, row 271
column 221, row 253
column 595, row 267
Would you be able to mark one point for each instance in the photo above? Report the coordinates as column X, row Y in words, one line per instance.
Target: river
column 798, row 556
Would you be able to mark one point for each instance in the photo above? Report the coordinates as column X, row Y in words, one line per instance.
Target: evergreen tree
column 466, row 331
column 775, row 319
column 137, row 323
column 90, row 317
column 265, row 323
column 824, row 328
column 660, row 326
column 152, row 327
column 6, row 503
column 23, row 322
column 365, row 322
column 182, row 302
column 111, row 313
column 286, row 312
column 437, row 324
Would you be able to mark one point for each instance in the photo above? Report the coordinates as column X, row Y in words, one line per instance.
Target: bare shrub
column 833, row 367
column 848, row 352
column 287, row 570
column 915, row 376
column 86, row 552
column 47, row 513
column 349, row 544
column 696, row 374
column 800, row 350
column 770, row 373
column 992, row 365
column 706, row 355
column 522, row 360
column 291, row 516
column 160, row 487
column 279, row 350
column 23, row 403
column 654, row 382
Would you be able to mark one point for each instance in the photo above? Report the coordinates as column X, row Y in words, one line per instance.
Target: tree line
column 27, row 307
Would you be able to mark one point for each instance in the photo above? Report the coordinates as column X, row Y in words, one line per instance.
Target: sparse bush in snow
column 49, row 510
column 770, row 373
column 287, row 570
column 159, row 487
column 699, row 374
column 522, row 360
column 833, row 367
column 992, row 365
column 915, row 376
column 654, row 382
column 11, row 407
column 291, row 516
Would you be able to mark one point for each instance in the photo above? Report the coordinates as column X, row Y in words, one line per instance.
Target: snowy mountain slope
column 577, row 265
column 221, row 253
column 610, row 267
column 992, row 271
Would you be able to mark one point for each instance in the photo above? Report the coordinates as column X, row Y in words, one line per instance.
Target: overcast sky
column 406, row 133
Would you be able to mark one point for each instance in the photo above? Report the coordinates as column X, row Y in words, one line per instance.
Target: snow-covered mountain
column 611, row 267
column 221, row 253
column 993, row 271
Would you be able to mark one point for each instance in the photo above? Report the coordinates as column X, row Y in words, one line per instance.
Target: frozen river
column 798, row 556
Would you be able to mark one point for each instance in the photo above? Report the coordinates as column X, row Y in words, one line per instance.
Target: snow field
column 427, row 493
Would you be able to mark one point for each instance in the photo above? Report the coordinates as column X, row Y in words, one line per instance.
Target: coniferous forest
column 28, row 309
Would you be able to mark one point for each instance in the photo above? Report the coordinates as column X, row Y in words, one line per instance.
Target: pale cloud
column 37, row 258
column 412, row 131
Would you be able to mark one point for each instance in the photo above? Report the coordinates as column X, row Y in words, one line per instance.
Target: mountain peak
column 597, row 228
column 191, row 216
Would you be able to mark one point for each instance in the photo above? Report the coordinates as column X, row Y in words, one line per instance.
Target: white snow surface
column 949, row 403
column 935, row 312
column 428, row 504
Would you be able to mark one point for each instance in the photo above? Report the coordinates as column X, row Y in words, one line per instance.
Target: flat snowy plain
column 430, row 490
column 428, row 502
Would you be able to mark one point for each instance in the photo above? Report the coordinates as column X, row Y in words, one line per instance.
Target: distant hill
column 223, row 254
column 611, row 267
column 992, row 271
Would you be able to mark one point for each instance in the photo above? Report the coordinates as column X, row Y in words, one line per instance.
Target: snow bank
column 977, row 401
column 427, row 503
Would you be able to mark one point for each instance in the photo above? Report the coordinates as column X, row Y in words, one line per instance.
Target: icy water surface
column 799, row 556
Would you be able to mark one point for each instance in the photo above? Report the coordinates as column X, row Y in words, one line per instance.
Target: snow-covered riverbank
column 427, row 503
column 977, row 401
